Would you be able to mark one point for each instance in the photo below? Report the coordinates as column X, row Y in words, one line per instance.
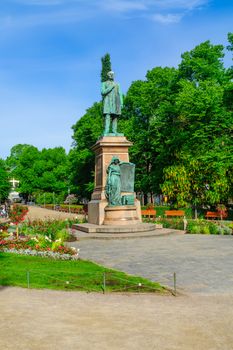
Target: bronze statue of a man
column 112, row 103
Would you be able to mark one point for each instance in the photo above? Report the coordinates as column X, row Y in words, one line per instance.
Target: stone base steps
column 89, row 231
column 91, row 228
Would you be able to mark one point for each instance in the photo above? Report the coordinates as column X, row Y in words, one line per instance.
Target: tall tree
column 87, row 130
column 204, row 125
column 106, row 67
column 148, row 109
column 4, row 182
column 39, row 171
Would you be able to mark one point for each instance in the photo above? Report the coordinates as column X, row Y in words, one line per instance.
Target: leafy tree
column 106, row 67
column 87, row 130
column 148, row 109
column 4, row 182
column 37, row 171
column 230, row 40
column 203, row 123
column 181, row 125
column 177, row 185
column 202, row 63
column 228, row 94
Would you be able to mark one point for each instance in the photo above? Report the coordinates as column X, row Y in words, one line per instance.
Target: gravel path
column 41, row 213
column 49, row 320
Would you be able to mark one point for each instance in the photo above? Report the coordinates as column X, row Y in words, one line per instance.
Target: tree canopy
column 39, row 171
column 180, row 122
column 4, row 182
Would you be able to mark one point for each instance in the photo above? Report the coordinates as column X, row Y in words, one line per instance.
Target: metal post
column 69, row 198
column 104, row 282
column 174, row 282
column 28, row 279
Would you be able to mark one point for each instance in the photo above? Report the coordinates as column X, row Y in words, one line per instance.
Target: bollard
column 104, row 282
column 28, row 279
column 174, row 283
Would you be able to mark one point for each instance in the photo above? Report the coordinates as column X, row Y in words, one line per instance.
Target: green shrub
column 227, row 230
column 205, row 229
column 50, row 228
column 213, row 228
column 44, row 242
column 56, row 244
column 63, row 235
column 195, row 229
column 220, row 230
column 175, row 223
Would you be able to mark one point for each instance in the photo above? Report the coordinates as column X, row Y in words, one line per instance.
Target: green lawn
column 36, row 272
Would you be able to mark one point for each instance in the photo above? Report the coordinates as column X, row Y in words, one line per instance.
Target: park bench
column 149, row 213
column 63, row 210
column 174, row 213
column 215, row 215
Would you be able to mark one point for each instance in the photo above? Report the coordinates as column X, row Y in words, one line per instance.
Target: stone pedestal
column 105, row 148
column 121, row 215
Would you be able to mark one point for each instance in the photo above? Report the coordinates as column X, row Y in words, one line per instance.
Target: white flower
column 47, row 239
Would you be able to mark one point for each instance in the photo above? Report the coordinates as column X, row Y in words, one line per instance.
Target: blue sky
column 50, row 55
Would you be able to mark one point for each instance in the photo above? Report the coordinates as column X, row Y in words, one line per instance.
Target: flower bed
column 18, row 213
column 44, row 254
column 33, row 246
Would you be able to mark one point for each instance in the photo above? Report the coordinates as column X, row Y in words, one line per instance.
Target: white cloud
column 70, row 11
column 178, row 4
column 123, row 5
column 167, row 19
column 46, row 18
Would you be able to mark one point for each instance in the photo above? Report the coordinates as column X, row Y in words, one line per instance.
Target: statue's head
column 110, row 75
column 115, row 160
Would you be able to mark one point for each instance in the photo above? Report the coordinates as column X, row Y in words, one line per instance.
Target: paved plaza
column 202, row 263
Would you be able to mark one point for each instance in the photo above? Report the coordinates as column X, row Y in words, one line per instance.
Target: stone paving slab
column 203, row 263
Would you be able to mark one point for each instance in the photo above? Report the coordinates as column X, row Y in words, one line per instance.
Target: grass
column 19, row 270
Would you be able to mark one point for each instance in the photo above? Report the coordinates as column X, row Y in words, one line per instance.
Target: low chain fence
column 98, row 282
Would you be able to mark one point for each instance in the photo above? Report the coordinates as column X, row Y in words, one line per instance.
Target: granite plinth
column 121, row 215
column 117, row 229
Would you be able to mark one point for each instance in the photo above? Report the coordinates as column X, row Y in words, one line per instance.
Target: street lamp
column 53, row 201
column 69, row 198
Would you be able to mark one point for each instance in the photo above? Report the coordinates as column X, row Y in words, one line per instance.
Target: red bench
column 174, row 213
column 149, row 213
column 215, row 215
